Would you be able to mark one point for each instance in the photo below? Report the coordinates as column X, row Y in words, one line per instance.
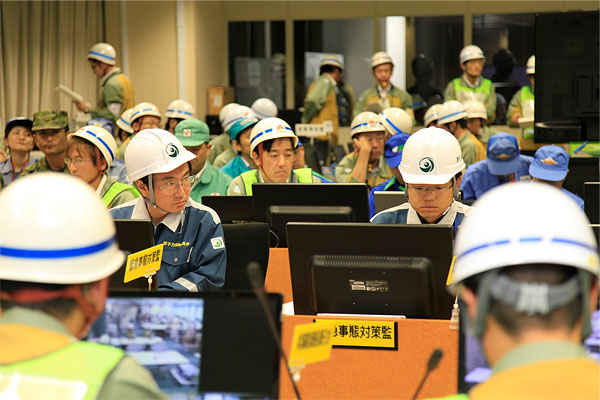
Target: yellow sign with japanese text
column 143, row 263
column 365, row 334
column 311, row 343
column 450, row 277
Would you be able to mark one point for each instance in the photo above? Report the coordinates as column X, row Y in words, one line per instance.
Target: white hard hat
column 431, row 156
column 226, row 108
column 503, row 229
column 271, row 128
column 366, row 121
column 531, row 65
column 103, row 52
column 332, row 59
column 154, row 151
column 55, row 229
column 452, row 110
column 264, row 108
column 432, row 114
column 475, row 109
column 101, row 138
column 470, row 52
column 236, row 114
column 180, row 109
column 381, row 57
column 124, row 121
column 396, row 120
column 144, row 109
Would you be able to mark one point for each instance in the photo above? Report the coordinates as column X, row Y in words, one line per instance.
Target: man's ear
column 237, row 146
column 256, row 159
column 95, row 294
column 470, row 300
column 141, row 186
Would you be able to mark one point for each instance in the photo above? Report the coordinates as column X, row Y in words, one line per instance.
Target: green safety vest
column 250, row 177
column 485, row 87
column 527, row 94
column 76, row 371
column 114, row 190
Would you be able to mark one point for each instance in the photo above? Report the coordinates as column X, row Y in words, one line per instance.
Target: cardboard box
column 218, row 96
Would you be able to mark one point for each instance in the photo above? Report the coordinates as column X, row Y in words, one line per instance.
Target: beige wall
column 151, row 31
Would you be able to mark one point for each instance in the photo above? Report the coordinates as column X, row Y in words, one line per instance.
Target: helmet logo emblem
column 426, row 164
column 172, row 150
column 280, row 127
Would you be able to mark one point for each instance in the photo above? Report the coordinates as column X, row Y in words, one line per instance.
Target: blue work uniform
column 236, row 167
column 8, row 172
column 117, row 171
column 194, row 256
column 391, row 185
column 405, row 214
column 478, row 179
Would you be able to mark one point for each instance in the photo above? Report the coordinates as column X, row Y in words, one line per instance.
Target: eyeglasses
column 436, row 190
column 77, row 161
column 172, row 186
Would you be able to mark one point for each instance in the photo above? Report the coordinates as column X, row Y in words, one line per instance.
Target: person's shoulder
column 36, row 166
column 129, row 380
column 394, row 215
column 203, row 211
column 123, row 210
column 463, row 208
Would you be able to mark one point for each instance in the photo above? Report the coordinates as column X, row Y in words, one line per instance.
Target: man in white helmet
column 222, row 150
column 90, row 152
column 328, row 97
column 177, row 111
column 57, row 252
column 116, row 90
column 432, row 167
column 471, row 85
column 366, row 164
column 529, row 283
column 143, row 116
column 272, row 143
column 453, row 118
column 522, row 103
column 240, row 133
column 476, row 116
column 194, row 256
column 431, row 115
column 222, row 142
column 383, row 95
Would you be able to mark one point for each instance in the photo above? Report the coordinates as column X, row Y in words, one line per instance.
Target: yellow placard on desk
column 365, row 334
column 143, row 262
column 311, row 343
column 450, row 277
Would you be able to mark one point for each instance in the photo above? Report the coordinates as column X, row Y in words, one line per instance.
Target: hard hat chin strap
column 73, row 292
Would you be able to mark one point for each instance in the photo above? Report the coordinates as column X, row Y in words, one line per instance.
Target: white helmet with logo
column 332, row 59
column 381, row 57
column 154, row 151
column 470, row 52
column 103, row 52
column 432, row 114
column 269, row 129
column 531, row 65
column 264, row 108
column 396, row 120
column 366, row 121
column 55, row 236
column 452, row 110
column 100, row 138
column 124, row 121
column 180, row 109
column 431, row 156
column 236, row 114
column 475, row 109
column 226, row 108
column 144, row 109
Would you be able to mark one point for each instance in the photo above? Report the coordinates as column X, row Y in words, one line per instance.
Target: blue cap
column 393, row 149
column 550, row 163
column 103, row 123
column 240, row 126
column 503, row 154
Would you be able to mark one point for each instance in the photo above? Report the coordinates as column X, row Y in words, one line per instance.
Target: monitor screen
column 231, row 209
column 373, row 285
column 385, row 200
column 473, row 367
column 432, row 242
column 591, row 200
column 280, row 203
column 161, row 333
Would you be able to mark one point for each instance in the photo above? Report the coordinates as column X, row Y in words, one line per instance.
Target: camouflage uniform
column 47, row 120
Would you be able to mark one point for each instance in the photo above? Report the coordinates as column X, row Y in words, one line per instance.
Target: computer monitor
column 280, row 203
column 473, row 367
column 591, row 198
column 231, row 209
column 581, row 170
column 375, row 243
column 385, row 200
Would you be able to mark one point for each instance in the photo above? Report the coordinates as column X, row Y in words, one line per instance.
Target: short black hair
column 267, row 144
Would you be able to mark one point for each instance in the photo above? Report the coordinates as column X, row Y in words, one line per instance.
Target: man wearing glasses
column 50, row 134
column 194, row 256
column 432, row 168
